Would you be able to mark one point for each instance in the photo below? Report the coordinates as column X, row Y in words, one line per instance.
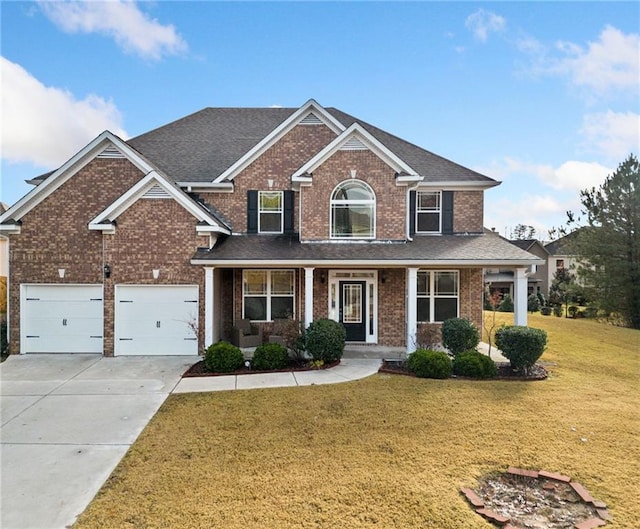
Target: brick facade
column 468, row 211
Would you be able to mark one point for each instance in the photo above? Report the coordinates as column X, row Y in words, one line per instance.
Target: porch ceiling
column 287, row 250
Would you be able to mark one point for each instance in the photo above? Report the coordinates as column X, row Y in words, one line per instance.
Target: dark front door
column 353, row 309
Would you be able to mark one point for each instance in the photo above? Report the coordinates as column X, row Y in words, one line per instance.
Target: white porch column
column 208, row 305
column 308, row 297
column 520, row 296
column 412, row 308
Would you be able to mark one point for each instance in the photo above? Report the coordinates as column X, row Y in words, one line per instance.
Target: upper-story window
column 353, row 211
column 428, row 212
column 270, row 212
column 559, row 264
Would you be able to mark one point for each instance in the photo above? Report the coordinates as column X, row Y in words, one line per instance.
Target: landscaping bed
column 199, row 369
column 505, row 372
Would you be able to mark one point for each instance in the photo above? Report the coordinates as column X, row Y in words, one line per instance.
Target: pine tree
column 608, row 247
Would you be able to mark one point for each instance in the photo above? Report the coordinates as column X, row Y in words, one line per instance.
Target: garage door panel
column 155, row 320
column 62, row 319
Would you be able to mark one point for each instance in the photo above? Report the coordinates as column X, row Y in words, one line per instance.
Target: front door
column 353, row 309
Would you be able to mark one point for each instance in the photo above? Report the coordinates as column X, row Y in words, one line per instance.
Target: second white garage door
column 156, row 320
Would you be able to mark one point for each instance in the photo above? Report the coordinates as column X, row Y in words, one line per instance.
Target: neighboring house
column 160, row 244
column 502, row 280
column 561, row 255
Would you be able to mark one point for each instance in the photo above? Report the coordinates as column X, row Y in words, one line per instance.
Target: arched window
column 353, row 211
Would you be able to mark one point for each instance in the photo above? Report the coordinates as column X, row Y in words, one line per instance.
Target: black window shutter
column 412, row 213
column 288, row 211
column 252, row 211
column 447, row 212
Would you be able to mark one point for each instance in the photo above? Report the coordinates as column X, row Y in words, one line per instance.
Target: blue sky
column 542, row 96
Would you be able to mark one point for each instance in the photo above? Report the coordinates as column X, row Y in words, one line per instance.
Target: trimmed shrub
column 325, row 340
column 533, row 303
column 223, row 357
column 506, row 305
column 521, row 345
column 546, row 310
column 459, row 334
column 270, row 356
column 473, row 364
column 573, row 311
column 426, row 363
column 557, row 311
column 590, row 312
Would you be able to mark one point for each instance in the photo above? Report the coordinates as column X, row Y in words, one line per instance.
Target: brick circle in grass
column 531, row 499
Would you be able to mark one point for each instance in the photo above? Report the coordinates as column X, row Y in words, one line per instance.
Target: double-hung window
column 428, row 212
column 270, row 212
column 438, row 295
column 353, row 211
column 267, row 294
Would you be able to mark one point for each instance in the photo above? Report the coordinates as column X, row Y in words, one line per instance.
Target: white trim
column 432, row 292
column 308, row 296
column 448, row 185
column 209, row 312
column 520, row 296
column 391, row 263
column 70, row 168
column 281, row 212
column 370, row 279
column 277, row 134
column 355, row 130
column 438, row 211
column 412, row 309
column 268, row 294
column 104, row 220
column 222, row 187
column 369, row 202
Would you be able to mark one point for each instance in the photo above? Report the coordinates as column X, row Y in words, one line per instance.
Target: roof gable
column 310, row 113
column 104, row 145
column 354, row 138
column 155, row 186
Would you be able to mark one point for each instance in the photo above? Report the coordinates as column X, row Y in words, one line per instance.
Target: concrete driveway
column 67, row 421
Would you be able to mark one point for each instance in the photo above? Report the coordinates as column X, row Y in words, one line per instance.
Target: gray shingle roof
column 201, row 146
column 455, row 249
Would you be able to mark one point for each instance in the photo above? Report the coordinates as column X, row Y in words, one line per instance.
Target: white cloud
column 610, row 64
column 132, row 29
column 36, row 124
column 482, row 22
column 613, row 134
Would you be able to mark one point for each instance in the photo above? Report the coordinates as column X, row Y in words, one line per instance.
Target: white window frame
column 429, row 210
column 432, row 296
column 342, row 202
column 262, row 211
column 268, row 294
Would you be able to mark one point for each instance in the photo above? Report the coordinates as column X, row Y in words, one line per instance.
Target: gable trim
column 354, row 135
column 105, row 220
column 105, row 141
column 294, row 119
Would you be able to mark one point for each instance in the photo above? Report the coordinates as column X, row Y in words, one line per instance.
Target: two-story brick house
column 159, row 244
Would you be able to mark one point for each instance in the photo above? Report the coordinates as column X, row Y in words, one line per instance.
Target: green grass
column 387, row 451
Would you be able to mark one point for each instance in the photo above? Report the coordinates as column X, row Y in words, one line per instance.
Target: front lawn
column 388, row 451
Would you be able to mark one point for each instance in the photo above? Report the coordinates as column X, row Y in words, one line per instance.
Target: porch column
column 208, row 305
column 412, row 308
column 520, row 296
column 308, row 297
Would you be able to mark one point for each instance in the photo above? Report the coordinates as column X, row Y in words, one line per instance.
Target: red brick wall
column 392, row 319
column 152, row 234
column 278, row 163
column 55, row 234
column 471, row 292
column 468, row 211
column 390, row 199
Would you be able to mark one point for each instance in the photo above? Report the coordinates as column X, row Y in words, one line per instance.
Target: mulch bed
column 537, row 372
column 199, row 370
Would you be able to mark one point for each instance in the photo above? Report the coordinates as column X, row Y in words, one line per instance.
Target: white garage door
column 156, row 320
column 62, row 319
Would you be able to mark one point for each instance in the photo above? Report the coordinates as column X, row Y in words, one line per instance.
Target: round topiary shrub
column 270, row 356
column 521, row 345
column 325, row 340
column 223, row 357
column 473, row 364
column 533, row 303
column 506, row 305
column 426, row 363
column 459, row 335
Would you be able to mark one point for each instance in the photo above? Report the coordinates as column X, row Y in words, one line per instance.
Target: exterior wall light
column 107, row 271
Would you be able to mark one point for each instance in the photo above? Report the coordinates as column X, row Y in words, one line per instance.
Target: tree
column 562, row 288
column 523, row 232
column 608, row 246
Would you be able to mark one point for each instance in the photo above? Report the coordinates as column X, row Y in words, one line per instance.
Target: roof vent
column 353, row 144
column 156, row 191
column 111, row 153
column 311, row 119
